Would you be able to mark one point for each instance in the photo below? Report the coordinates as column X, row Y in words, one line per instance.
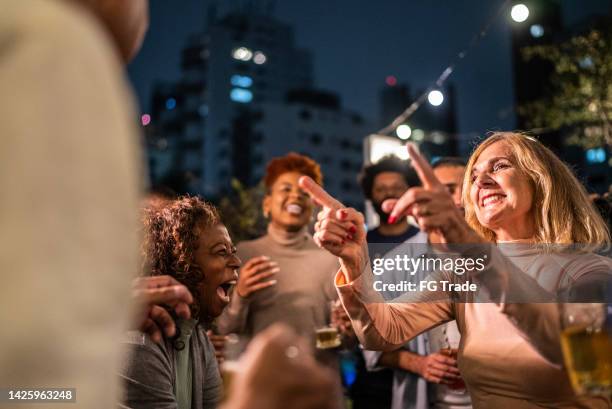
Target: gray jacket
column 149, row 374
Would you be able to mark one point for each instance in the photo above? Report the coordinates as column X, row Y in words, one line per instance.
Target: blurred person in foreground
column 187, row 241
column 285, row 278
column 515, row 191
column 71, row 172
column 72, row 176
column 279, row 371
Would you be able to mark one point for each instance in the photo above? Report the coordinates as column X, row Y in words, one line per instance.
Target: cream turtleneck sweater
column 301, row 295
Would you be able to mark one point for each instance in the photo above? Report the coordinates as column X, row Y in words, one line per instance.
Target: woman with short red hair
column 285, row 277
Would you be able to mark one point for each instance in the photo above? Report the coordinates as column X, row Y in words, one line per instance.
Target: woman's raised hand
column 256, row 274
column 338, row 229
column 431, row 206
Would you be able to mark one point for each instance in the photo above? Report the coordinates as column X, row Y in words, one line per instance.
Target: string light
column 404, row 116
column 519, row 13
column 435, row 98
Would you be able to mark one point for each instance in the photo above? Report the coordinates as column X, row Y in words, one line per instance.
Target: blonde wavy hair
column 562, row 210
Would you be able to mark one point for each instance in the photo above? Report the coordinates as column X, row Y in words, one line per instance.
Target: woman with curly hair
column 286, row 277
column 184, row 239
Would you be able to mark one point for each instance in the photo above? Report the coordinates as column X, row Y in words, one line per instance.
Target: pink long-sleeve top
column 509, row 354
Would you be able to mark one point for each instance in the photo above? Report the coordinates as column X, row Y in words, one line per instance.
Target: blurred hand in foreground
column 279, row 372
column 152, row 293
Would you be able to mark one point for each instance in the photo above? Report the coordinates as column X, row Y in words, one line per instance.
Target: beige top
column 301, row 296
column 70, row 177
column 502, row 349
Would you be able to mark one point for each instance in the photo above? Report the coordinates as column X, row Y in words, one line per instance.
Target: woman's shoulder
column 146, row 353
column 580, row 265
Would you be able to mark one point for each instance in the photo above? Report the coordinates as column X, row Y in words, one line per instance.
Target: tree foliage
column 241, row 211
column 581, row 95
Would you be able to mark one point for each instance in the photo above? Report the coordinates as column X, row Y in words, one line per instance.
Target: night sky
column 357, row 43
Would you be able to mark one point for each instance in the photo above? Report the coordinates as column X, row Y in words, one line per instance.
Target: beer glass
column 451, row 348
column 234, row 347
column 586, row 341
column 328, row 337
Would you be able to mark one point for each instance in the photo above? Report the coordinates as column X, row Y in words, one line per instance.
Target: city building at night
column 315, row 124
column 246, row 95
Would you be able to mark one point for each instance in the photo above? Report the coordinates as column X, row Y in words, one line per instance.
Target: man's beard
column 381, row 213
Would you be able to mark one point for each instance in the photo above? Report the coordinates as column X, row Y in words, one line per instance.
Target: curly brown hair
column 172, row 234
column 292, row 162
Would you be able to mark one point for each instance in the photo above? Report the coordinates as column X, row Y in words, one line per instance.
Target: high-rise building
column 314, row 124
column 245, row 93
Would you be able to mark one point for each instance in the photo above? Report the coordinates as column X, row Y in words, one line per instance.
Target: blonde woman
column 515, row 191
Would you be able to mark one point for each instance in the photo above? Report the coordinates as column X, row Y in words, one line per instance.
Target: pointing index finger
column 317, row 193
column 423, row 169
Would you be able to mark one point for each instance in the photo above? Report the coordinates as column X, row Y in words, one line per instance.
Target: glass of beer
column 234, row 347
column 586, row 341
column 328, row 338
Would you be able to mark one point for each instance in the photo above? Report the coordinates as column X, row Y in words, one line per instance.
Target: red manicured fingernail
column 349, row 236
column 391, row 220
column 343, row 214
column 352, row 229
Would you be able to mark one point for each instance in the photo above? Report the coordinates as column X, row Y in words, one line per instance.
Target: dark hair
column 389, row 163
column 292, row 162
column 450, row 161
column 172, row 235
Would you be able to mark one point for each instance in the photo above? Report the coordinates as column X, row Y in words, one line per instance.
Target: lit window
column 170, row 104
column 145, row 119
column 259, row 58
column 241, row 95
column 536, row 30
column 596, row 155
column 242, row 54
column 203, row 110
column 241, row 81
